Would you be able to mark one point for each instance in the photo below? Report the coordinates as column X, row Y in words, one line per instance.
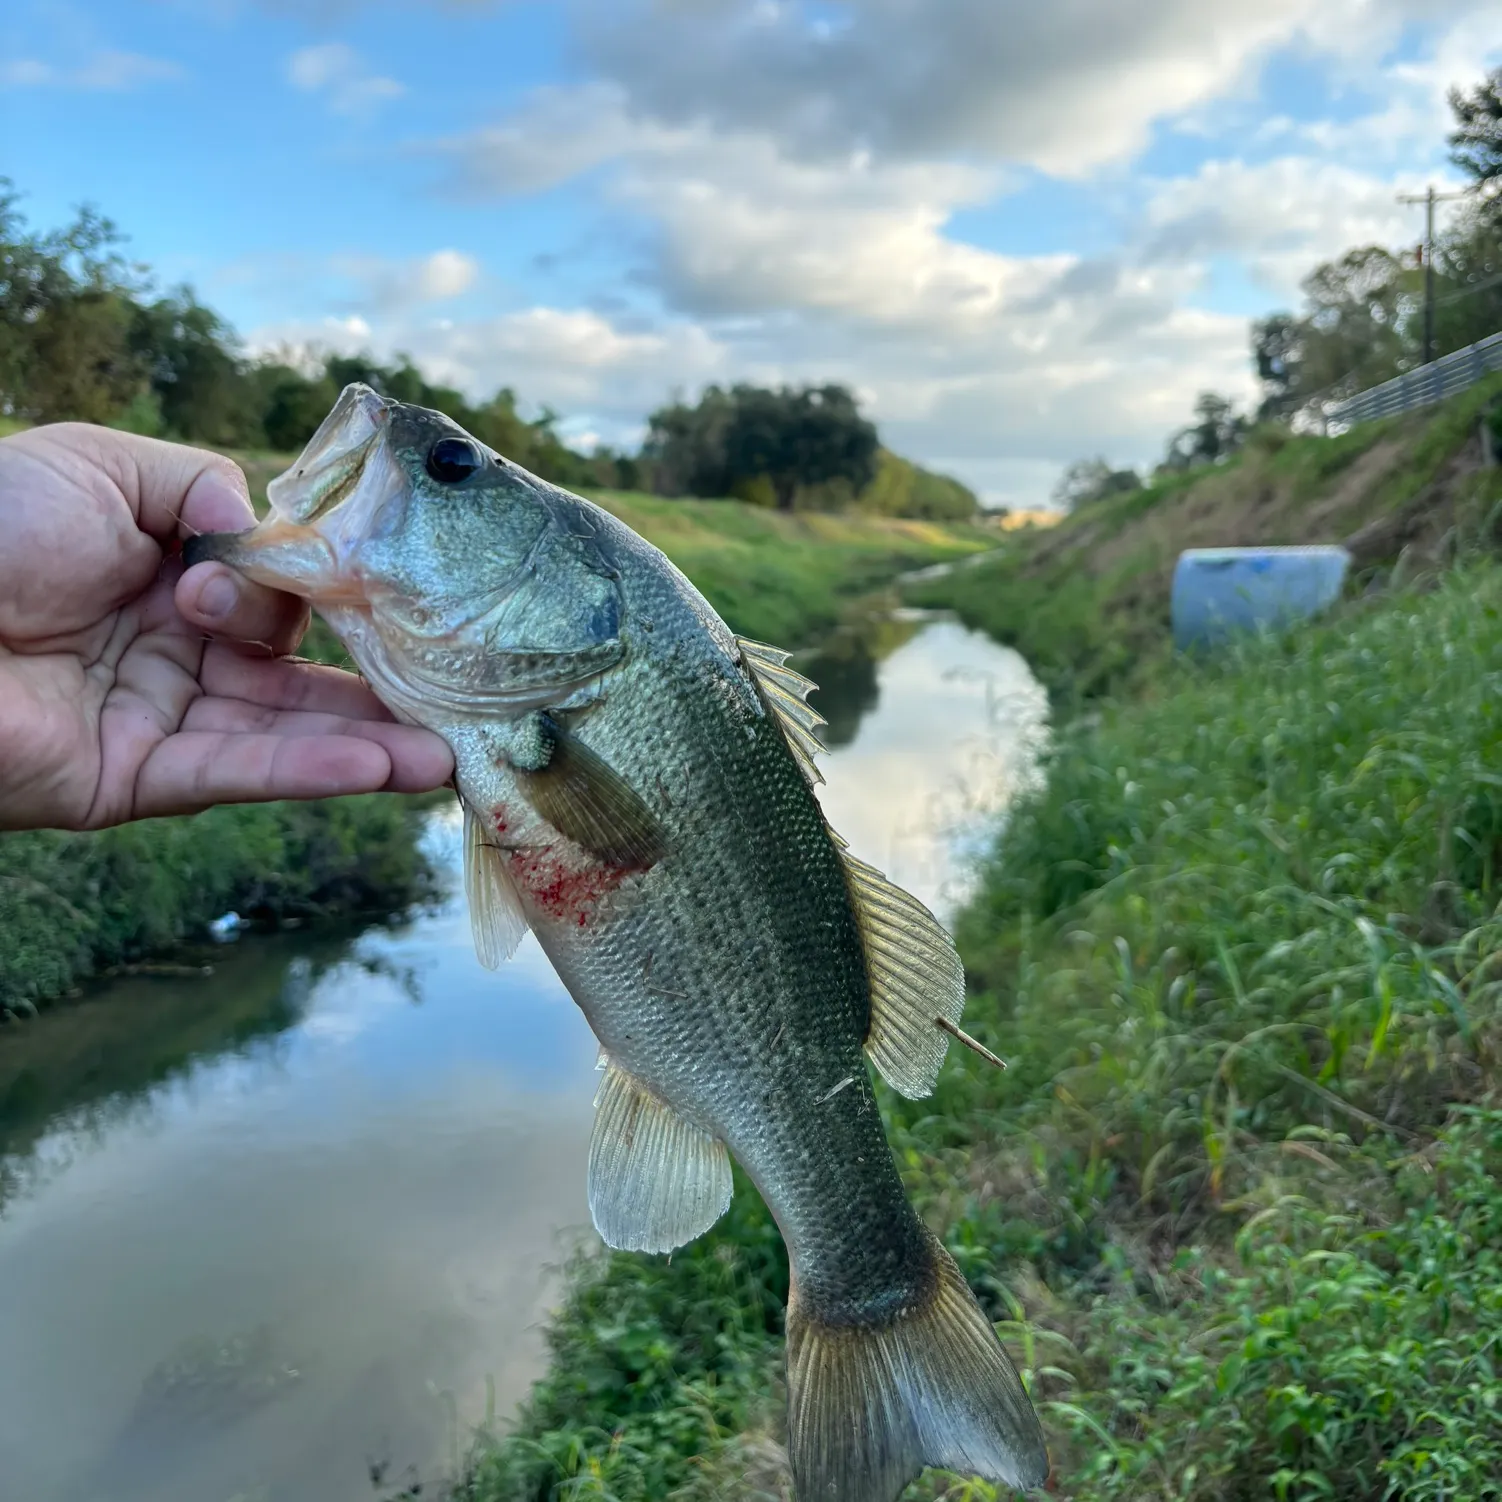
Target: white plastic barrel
column 1220, row 591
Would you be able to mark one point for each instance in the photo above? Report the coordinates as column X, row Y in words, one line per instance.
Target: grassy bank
column 1236, row 1202
column 73, row 905
column 787, row 578
column 1087, row 602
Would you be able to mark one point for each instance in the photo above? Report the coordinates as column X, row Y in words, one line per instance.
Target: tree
column 65, row 318
column 197, row 376
column 902, row 488
column 1360, row 327
column 1278, row 348
column 810, row 436
column 685, row 446
column 785, row 439
column 1089, row 480
column 1468, row 262
column 1476, row 141
column 1217, row 434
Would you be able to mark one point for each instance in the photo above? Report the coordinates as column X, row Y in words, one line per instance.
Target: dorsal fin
column 785, row 693
column 915, row 975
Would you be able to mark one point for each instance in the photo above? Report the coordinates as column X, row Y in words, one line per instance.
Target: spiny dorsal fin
column 583, row 797
column 656, row 1181
column 915, row 974
column 495, row 912
column 784, row 693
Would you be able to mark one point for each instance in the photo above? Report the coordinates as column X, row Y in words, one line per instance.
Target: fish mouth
column 304, row 545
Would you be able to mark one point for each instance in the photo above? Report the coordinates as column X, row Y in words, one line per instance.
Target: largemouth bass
column 637, row 786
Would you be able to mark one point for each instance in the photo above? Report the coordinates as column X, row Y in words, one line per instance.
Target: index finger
column 172, row 489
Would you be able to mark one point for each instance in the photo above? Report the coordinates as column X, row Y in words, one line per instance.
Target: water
column 271, row 1233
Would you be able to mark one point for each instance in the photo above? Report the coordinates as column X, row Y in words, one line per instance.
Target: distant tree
column 1089, row 480
column 1360, row 327
column 82, row 368
column 810, row 436
column 785, row 439
column 1217, row 433
column 65, row 318
column 292, row 404
column 902, row 488
column 1278, row 358
column 1476, row 141
column 685, row 446
column 1468, row 304
column 199, row 382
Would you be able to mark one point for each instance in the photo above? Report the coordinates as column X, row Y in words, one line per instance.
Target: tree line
column 1362, row 322
column 86, row 335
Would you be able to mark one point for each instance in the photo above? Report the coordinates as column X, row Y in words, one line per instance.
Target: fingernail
column 217, row 598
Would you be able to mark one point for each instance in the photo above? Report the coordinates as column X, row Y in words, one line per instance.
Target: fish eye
column 453, row 459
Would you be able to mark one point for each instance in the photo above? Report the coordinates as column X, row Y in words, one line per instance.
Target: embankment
column 1086, row 602
column 1235, row 1204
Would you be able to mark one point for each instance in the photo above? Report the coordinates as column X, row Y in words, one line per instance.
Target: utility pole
column 1429, row 198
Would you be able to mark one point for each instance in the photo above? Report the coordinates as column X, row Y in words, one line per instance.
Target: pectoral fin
column 784, row 692
column 495, row 912
column 584, row 798
column 915, row 975
column 656, row 1181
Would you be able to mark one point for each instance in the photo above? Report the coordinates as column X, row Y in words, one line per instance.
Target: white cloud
column 336, row 71
column 574, row 360
column 1278, row 218
column 785, row 186
column 1067, row 86
column 106, row 71
column 444, row 274
column 385, row 285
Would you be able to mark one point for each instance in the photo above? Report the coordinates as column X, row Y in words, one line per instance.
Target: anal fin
column 495, row 912
column 656, row 1180
column 915, row 975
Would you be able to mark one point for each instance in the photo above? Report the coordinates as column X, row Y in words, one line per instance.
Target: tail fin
column 871, row 1405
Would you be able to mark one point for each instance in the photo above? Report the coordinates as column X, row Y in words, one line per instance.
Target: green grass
column 1236, row 1203
column 782, row 578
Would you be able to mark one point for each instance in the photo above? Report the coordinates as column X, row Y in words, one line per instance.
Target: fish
column 638, row 791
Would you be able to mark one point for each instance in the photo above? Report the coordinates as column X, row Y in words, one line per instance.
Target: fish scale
column 637, row 791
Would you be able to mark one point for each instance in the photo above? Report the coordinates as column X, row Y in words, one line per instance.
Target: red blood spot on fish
column 562, row 889
column 500, row 821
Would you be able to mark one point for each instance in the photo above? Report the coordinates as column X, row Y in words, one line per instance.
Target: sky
column 1023, row 231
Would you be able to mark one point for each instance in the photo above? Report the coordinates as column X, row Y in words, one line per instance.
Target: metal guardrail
column 1422, row 387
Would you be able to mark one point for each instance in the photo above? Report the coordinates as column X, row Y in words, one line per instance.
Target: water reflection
column 270, row 1229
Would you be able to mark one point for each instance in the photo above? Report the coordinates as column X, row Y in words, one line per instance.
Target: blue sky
column 1024, row 233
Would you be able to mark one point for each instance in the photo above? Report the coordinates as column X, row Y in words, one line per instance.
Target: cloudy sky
column 1023, row 230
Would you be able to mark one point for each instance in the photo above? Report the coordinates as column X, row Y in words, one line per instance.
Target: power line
column 1429, row 198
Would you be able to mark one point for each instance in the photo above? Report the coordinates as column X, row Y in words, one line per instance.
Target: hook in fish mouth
column 297, row 546
column 278, row 553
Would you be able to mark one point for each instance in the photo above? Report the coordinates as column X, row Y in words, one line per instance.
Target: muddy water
column 269, row 1232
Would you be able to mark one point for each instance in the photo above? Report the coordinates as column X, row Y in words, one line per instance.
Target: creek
column 286, row 1230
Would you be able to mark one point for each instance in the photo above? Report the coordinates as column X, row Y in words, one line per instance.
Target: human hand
column 113, row 704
